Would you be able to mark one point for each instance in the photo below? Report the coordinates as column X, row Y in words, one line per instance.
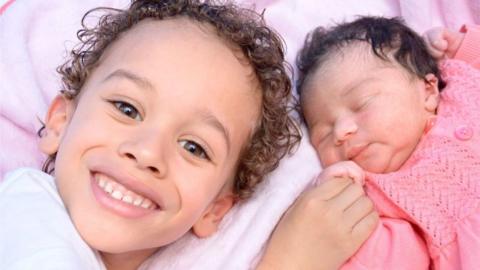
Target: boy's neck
column 126, row 261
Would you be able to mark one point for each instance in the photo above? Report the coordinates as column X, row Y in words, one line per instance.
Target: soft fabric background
column 34, row 37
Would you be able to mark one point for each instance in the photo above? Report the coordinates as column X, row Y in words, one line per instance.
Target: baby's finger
column 331, row 188
column 436, row 42
column 437, row 54
column 440, row 45
column 437, row 48
column 345, row 169
column 354, row 171
column 434, row 34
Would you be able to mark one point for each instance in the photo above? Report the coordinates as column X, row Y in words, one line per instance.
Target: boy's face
column 150, row 146
column 361, row 108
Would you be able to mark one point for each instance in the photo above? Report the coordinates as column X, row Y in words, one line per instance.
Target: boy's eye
column 127, row 109
column 194, row 148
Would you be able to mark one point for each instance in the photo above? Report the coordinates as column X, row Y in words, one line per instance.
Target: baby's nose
column 344, row 128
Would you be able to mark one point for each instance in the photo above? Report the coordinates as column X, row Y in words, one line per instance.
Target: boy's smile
column 150, row 146
column 123, row 194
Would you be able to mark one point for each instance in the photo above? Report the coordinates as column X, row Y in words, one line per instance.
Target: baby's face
column 155, row 135
column 359, row 108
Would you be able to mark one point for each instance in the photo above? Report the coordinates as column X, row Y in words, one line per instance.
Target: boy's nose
column 344, row 128
column 147, row 153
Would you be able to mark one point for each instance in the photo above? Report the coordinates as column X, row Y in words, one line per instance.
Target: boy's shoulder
column 25, row 171
column 28, row 180
column 29, row 188
column 35, row 228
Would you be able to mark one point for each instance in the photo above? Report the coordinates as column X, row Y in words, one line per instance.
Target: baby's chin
column 380, row 166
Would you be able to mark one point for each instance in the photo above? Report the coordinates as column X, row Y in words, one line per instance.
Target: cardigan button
column 463, row 133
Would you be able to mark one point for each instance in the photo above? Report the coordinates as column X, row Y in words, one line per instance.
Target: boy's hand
column 326, row 225
column 442, row 42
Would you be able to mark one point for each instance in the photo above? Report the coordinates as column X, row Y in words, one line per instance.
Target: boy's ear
column 432, row 93
column 58, row 116
column 211, row 218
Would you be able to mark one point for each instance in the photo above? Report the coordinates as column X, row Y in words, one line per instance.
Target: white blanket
column 33, row 38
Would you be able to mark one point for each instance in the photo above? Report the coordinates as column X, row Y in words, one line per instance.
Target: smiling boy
column 159, row 130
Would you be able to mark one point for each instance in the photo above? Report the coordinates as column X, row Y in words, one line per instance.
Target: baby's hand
column 343, row 169
column 326, row 225
column 442, row 42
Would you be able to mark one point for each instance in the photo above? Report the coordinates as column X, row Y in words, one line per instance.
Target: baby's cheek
column 328, row 155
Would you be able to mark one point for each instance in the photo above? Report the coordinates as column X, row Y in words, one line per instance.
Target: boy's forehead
column 174, row 34
column 166, row 31
column 174, row 26
column 178, row 56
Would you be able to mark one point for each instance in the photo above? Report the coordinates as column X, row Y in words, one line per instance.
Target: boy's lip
column 131, row 183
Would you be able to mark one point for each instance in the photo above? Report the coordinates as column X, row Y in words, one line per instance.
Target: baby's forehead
column 349, row 67
column 358, row 56
column 358, row 52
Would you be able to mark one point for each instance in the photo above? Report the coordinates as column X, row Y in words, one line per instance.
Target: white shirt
column 36, row 231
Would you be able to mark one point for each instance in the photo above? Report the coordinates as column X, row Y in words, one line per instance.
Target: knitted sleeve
column 469, row 50
column 393, row 245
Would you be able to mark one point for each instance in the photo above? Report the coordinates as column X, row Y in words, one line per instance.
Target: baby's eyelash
column 365, row 102
column 127, row 109
column 195, row 149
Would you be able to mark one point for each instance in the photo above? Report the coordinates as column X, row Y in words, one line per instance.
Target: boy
column 171, row 111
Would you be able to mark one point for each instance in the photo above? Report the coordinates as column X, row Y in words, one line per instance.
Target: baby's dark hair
column 277, row 132
column 385, row 36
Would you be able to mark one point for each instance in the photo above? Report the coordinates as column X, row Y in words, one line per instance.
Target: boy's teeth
column 102, row 182
column 127, row 199
column 117, row 195
column 146, row 203
column 118, row 191
column 137, row 201
column 108, row 187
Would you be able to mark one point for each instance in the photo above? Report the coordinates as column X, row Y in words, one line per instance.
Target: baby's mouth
column 119, row 192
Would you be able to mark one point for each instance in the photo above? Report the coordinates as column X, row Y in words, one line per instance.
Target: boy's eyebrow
column 140, row 81
column 207, row 117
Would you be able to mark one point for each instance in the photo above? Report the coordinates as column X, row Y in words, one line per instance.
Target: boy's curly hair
column 276, row 134
column 385, row 35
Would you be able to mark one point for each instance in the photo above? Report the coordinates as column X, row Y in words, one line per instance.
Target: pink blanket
column 34, row 36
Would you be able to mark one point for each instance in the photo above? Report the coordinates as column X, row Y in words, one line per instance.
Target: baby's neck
column 126, row 261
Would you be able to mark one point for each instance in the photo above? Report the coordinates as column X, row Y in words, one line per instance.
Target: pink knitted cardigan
column 430, row 208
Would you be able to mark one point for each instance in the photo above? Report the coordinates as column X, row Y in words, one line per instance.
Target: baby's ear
column 211, row 218
column 432, row 93
column 56, row 121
